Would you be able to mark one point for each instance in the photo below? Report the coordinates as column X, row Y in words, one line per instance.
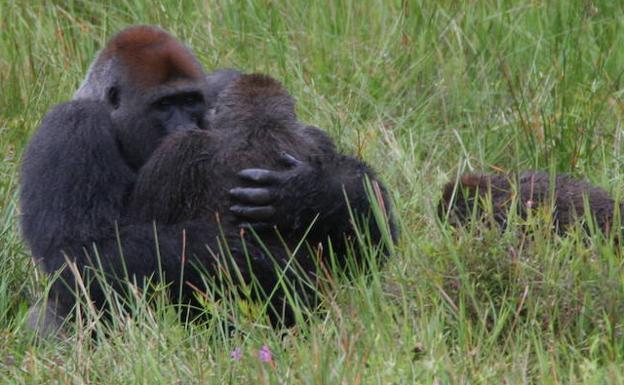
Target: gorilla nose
column 185, row 127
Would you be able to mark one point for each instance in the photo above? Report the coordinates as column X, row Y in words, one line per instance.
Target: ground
column 422, row 90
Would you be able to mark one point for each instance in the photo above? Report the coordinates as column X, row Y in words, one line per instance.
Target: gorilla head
column 153, row 85
column 253, row 103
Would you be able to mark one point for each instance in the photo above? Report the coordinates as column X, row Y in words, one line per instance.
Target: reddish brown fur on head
column 150, row 56
column 467, row 181
column 484, row 183
column 475, row 181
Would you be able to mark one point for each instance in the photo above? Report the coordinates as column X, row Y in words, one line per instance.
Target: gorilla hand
column 270, row 202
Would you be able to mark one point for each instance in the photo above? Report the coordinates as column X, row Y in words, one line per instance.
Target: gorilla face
column 177, row 112
column 143, row 119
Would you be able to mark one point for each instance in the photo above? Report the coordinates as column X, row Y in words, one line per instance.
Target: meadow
column 420, row 89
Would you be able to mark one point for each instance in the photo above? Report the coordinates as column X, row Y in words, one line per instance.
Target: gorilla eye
column 164, row 103
column 112, row 95
column 192, row 99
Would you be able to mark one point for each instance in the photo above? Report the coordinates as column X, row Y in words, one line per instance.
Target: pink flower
column 265, row 354
column 236, row 354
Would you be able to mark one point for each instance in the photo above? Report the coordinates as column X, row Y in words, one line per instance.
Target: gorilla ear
column 112, row 97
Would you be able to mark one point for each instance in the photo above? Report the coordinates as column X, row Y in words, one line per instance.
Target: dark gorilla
column 569, row 197
column 254, row 125
column 81, row 165
column 80, row 168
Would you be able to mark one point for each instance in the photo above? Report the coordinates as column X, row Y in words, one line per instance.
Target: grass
column 420, row 89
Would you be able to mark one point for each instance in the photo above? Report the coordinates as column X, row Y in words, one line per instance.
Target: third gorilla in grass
column 570, row 199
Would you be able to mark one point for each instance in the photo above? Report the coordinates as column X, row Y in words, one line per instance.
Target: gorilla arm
column 73, row 181
column 322, row 194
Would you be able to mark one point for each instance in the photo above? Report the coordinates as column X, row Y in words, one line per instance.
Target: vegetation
column 422, row 90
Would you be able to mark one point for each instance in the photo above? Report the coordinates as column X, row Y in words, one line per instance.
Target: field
column 420, row 89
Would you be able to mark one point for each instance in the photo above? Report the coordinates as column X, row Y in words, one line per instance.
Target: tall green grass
column 421, row 90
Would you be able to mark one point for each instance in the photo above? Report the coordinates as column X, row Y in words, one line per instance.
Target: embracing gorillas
column 80, row 215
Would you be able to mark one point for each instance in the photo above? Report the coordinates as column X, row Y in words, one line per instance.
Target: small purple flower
column 236, row 354
column 265, row 354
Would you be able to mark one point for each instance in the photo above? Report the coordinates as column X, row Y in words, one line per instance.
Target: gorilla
column 81, row 165
column 145, row 90
column 254, row 124
column 569, row 197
